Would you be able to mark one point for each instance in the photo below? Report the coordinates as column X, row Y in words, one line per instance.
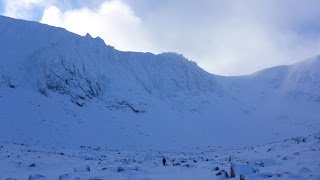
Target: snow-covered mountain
column 59, row 88
column 298, row 81
column 54, row 60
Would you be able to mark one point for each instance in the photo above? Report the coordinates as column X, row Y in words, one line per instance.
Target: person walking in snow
column 164, row 161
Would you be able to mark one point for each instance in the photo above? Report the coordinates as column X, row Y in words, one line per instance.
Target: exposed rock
column 134, row 168
column 64, row 177
column 266, row 175
column 85, row 168
column 105, row 168
column 32, row 165
column 242, row 177
column 222, row 173
column 232, row 174
column 176, row 164
column 277, row 175
column 36, row 176
column 120, row 169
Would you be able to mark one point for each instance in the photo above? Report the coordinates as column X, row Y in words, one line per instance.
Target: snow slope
column 61, row 89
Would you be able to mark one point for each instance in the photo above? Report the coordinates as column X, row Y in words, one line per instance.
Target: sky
column 225, row 37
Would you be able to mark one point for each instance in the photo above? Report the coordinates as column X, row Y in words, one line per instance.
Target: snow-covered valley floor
column 296, row 158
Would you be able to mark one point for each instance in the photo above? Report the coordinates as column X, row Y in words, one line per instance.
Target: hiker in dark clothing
column 164, row 161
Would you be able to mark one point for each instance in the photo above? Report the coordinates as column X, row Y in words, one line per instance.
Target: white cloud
column 113, row 21
column 248, row 46
column 23, row 8
column 236, row 37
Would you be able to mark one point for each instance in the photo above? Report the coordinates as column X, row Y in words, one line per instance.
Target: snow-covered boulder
column 36, row 177
column 241, row 169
